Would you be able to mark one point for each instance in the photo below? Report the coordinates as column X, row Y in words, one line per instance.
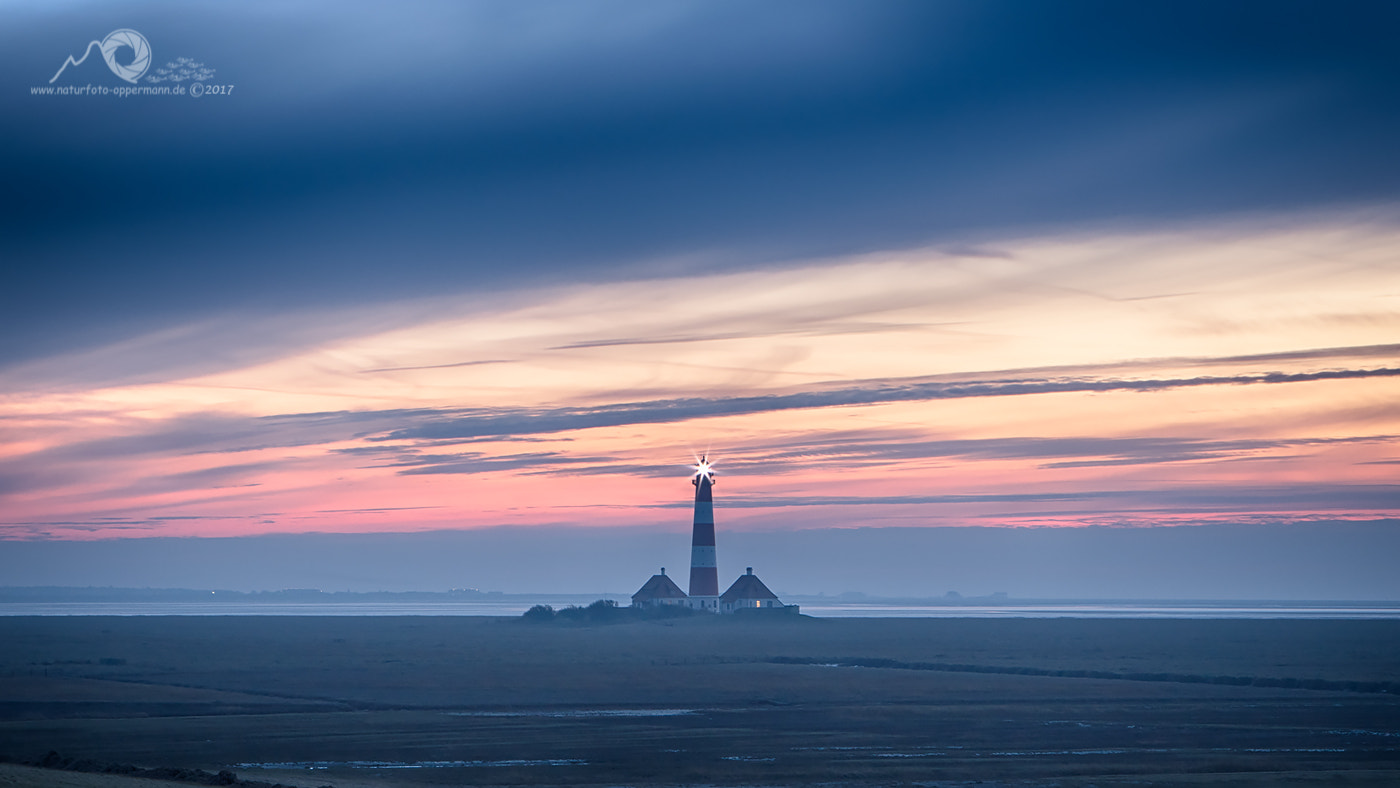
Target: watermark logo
column 181, row 69
column 109, row 47
column 132, row 67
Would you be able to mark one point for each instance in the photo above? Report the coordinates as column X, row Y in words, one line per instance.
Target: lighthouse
column 704, row 579
column 748, row 595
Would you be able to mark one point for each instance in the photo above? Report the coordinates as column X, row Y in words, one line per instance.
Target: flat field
column 419, row 701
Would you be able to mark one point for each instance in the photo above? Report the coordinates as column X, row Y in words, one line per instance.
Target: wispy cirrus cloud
column 876, row 448
column 201, row 433
column 480, row 462
column 1068, row 366
column 539, row 421
column 1281, row 498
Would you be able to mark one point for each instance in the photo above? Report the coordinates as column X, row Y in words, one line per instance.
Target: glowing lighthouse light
column 703, row 467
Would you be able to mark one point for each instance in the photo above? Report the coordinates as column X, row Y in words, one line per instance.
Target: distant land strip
column 1386, row 687
column 56, row 761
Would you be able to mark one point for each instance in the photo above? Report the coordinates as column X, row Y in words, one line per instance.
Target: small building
column 658, row 591
column 749, row 593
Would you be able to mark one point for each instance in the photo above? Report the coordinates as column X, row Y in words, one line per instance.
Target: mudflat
column 424, row 701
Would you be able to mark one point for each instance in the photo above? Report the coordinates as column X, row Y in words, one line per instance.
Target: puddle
column 565, row 713
column 883, row 752
column 1289, row 749
column 1042, row 753
column 318, row 765
column 1039, row 753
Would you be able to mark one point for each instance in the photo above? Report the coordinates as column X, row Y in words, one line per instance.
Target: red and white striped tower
column 704, row 579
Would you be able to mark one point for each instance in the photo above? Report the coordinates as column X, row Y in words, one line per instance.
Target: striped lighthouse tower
column 704, row 579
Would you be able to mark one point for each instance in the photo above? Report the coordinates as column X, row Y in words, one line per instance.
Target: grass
column 505, row 703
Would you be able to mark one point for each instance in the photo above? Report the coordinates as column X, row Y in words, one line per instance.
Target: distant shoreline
column 114, row 594
column 93, row 601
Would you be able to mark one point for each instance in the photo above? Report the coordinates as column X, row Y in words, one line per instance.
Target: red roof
column 748, row 586
column 658, row 587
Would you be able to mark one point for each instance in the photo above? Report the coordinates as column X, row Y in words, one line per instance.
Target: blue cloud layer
column 373, row 152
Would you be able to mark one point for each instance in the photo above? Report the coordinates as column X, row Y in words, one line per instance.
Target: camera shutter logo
column 108, row 46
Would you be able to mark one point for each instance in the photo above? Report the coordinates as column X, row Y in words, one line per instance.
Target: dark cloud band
column 674, row 410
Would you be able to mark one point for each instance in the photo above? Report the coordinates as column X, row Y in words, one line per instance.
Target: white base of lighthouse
column 710, row 603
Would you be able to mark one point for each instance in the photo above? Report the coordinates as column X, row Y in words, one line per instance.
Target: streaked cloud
column 565, row 419
column 1068, row 380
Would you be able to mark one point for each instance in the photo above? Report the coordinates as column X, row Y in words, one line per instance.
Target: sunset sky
column 459, row 265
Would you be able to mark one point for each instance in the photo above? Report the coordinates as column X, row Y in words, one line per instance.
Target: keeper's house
column 748, row 593
column 658, row 592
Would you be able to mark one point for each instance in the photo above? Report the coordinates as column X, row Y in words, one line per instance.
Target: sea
column 514, row 607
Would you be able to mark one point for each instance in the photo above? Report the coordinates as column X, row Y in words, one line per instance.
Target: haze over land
column 1257, row 562
column 504, row 268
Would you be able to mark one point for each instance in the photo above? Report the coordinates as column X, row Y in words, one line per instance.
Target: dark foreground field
column 469, row 701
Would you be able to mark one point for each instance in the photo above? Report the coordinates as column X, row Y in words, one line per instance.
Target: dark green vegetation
column 710, row 700
column 205, row 596
column 604, row 611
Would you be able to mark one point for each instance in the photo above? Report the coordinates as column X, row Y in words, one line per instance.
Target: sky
column 451, row 266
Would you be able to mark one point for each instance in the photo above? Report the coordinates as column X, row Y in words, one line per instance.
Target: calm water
column 1123, row 610
column 821, row 610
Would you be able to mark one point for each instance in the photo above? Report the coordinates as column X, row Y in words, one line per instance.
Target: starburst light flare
column 703, row 467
